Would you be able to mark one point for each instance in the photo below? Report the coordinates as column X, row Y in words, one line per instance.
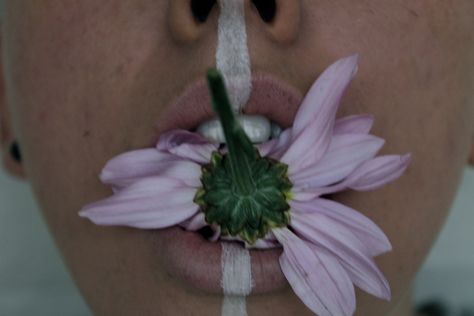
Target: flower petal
column 275, row 148
column 177, row 137
column 314, row 122
column 153, row 202
column 325, row 92
column 195, row 223
column 263, row 244
column 315, row 276
column 187, row 145
column 125, row 171
column 378, row 172
column 336, row 238
column 186, row 171
column 303, row 195
column 345, row 154
column 370, row 175
column 361, row 226
column 354, row 124
column 130, row 166
column 268, row 242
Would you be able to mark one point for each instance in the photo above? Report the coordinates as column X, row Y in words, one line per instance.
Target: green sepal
column 244, row 194
column 240, row 147
column 250, row 216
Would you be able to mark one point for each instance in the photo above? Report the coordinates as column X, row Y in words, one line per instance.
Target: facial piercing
column 15, row 151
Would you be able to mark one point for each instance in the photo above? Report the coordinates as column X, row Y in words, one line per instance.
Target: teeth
column 276, row 130
column 258, row 128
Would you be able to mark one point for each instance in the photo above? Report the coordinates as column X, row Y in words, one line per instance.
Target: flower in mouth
column 271, row 194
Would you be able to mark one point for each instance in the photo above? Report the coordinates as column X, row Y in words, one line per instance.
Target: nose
column 279, row 19
column 191, row 19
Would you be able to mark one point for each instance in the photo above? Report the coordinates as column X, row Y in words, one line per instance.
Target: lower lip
column 197, row 262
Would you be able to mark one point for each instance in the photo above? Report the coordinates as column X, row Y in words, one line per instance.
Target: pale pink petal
column 217, row 233
column 263, row 244
column 336, row 238
column 178, row 137
column 187, row 145
column 313, row 126
column 198, row 153
column 186, row 171
column 150, row 203
column 275, row 148
column 315, row 276
column 325, row 91
column 195, row 223
column 268, row 242
column 302, row 195
column 346, row 152
column 130, row 166
column 370, row 175
column 339, row 275
column 354, row 124
column 378, row 172
column 361, row 226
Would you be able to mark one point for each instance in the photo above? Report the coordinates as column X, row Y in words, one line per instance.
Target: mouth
column 190, row 256
column 271, row 98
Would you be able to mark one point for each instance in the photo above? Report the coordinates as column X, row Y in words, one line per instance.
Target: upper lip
column 270, row 97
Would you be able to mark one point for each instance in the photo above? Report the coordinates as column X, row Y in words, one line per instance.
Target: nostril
column 266, row 9
column 201, row 9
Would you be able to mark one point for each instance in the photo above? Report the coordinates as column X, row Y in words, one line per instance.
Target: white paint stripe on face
column 233, row 61
column 232, row 56
column 236, row 279
column 234, row 306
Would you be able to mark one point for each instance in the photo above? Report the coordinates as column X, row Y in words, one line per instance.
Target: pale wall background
column 33, row 281
column 448, row 272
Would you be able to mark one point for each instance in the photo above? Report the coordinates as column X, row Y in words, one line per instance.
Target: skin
column 86, row 80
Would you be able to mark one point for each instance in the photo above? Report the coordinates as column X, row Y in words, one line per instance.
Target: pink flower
column 327, row 247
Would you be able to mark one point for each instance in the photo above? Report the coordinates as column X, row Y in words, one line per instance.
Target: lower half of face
column 86, row 81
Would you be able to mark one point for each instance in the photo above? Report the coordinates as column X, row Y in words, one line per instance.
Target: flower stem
column 241, row 151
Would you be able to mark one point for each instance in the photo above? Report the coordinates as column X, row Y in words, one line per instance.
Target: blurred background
column 34, row 281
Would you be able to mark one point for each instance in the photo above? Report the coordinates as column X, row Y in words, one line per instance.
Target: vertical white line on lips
column 232, row 56
column 236, row 279
column 233, row 61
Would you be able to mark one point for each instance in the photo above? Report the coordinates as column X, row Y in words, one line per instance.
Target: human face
column 86, row 80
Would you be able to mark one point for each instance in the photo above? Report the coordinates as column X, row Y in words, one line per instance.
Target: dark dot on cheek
column 86, row 133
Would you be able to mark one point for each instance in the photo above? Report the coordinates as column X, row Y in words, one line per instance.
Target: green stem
column 241, row 150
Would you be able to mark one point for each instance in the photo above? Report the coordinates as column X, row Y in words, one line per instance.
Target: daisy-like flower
column 269, row 195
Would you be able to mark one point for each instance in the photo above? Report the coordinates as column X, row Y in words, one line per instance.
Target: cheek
column 422, row 106
column 69, row 87
column 87, row 82
column 434, row 124
column 82, row 93
column 416, row 84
